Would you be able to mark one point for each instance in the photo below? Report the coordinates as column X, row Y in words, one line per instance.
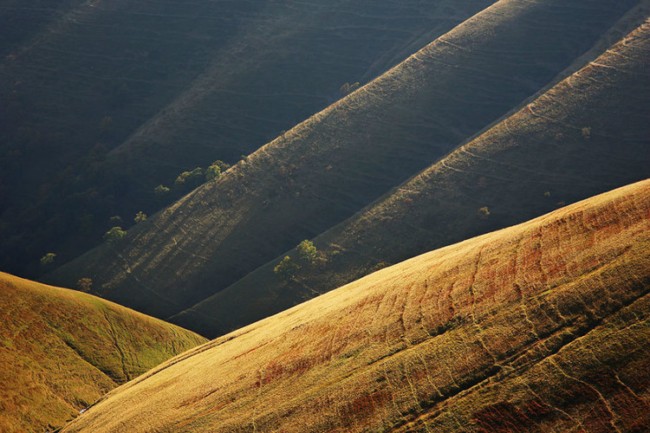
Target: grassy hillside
column 20, row 19
column 330, row 166
column 61, row 350
column 105, row 100
column 540, row 327
column 586, row 135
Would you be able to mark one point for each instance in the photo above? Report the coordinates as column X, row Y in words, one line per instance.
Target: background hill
column 60, row 350
column 588, row 134
column 335, row 163
column 106, row 100
column 540, row 327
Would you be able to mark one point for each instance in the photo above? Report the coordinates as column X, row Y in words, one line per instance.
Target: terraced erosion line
column 384, row 353
column 113, row 335
column 525, row 165
column 335, row 163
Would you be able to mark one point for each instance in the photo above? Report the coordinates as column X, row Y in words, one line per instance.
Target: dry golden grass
column 539, row 327
column 61, row 350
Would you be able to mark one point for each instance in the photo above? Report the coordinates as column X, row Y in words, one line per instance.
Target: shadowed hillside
column 173, row 85
column 588, row 134
column 330, row 166
column 20, row 19
column 61, row 350
column 540, row 327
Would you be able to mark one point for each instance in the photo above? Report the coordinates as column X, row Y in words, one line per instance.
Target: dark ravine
column 526, row 165
column 332, row 165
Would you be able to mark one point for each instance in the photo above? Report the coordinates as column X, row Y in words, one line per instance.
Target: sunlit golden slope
column 60, row 350
column 540, row 327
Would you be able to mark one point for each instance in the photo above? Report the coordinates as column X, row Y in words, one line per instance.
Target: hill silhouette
column 332, row 165
column 585, row 135
column 539, row 327
column 61, row 350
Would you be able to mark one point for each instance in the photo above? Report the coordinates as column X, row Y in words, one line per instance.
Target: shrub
column 85, row 284
column 114, row 234
column 140, row 217
column 48, row 259
column 161, row 190
column 212, row 173
column 189, row 177
column 307, row 252
column 223, row 166
column 348, row 88
column 287, row 268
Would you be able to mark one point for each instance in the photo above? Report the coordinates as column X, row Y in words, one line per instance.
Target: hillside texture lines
column 61, row 350
column 586, row 135
column 330, row 166
column 540, row 327
column 107, row 100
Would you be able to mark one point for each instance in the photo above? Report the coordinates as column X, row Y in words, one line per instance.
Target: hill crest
column 61, row 350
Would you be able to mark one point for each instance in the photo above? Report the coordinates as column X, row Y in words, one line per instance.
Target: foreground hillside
column 61, row 350
column 586, row 135
column 540, row 327
column 105, row 100
column 335, row 163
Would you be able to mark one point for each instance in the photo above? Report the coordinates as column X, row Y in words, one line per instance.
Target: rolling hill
column 61, row 350
column 332, row 165
column 106, row 100
column 586, row 135
column 543, row 326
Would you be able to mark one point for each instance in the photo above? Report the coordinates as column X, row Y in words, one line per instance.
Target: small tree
column 48, row 259
column 189, row 177
column 161, row 190
column 212, row 173
column 182, row 178
column 287, row 268
column 307, row 252
column 223, row 166
column 348, row 88
column 85, row 284
column 115, row 234
column 140, row 217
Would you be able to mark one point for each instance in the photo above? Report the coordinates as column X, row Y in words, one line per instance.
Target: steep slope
column 19, row 20
column 540, row 327
column 173, row 85
column 61, row 350
column 588, row 134
column 327, row 168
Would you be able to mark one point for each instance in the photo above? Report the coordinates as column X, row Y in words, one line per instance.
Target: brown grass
column 543, row 326
column 61, row 350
